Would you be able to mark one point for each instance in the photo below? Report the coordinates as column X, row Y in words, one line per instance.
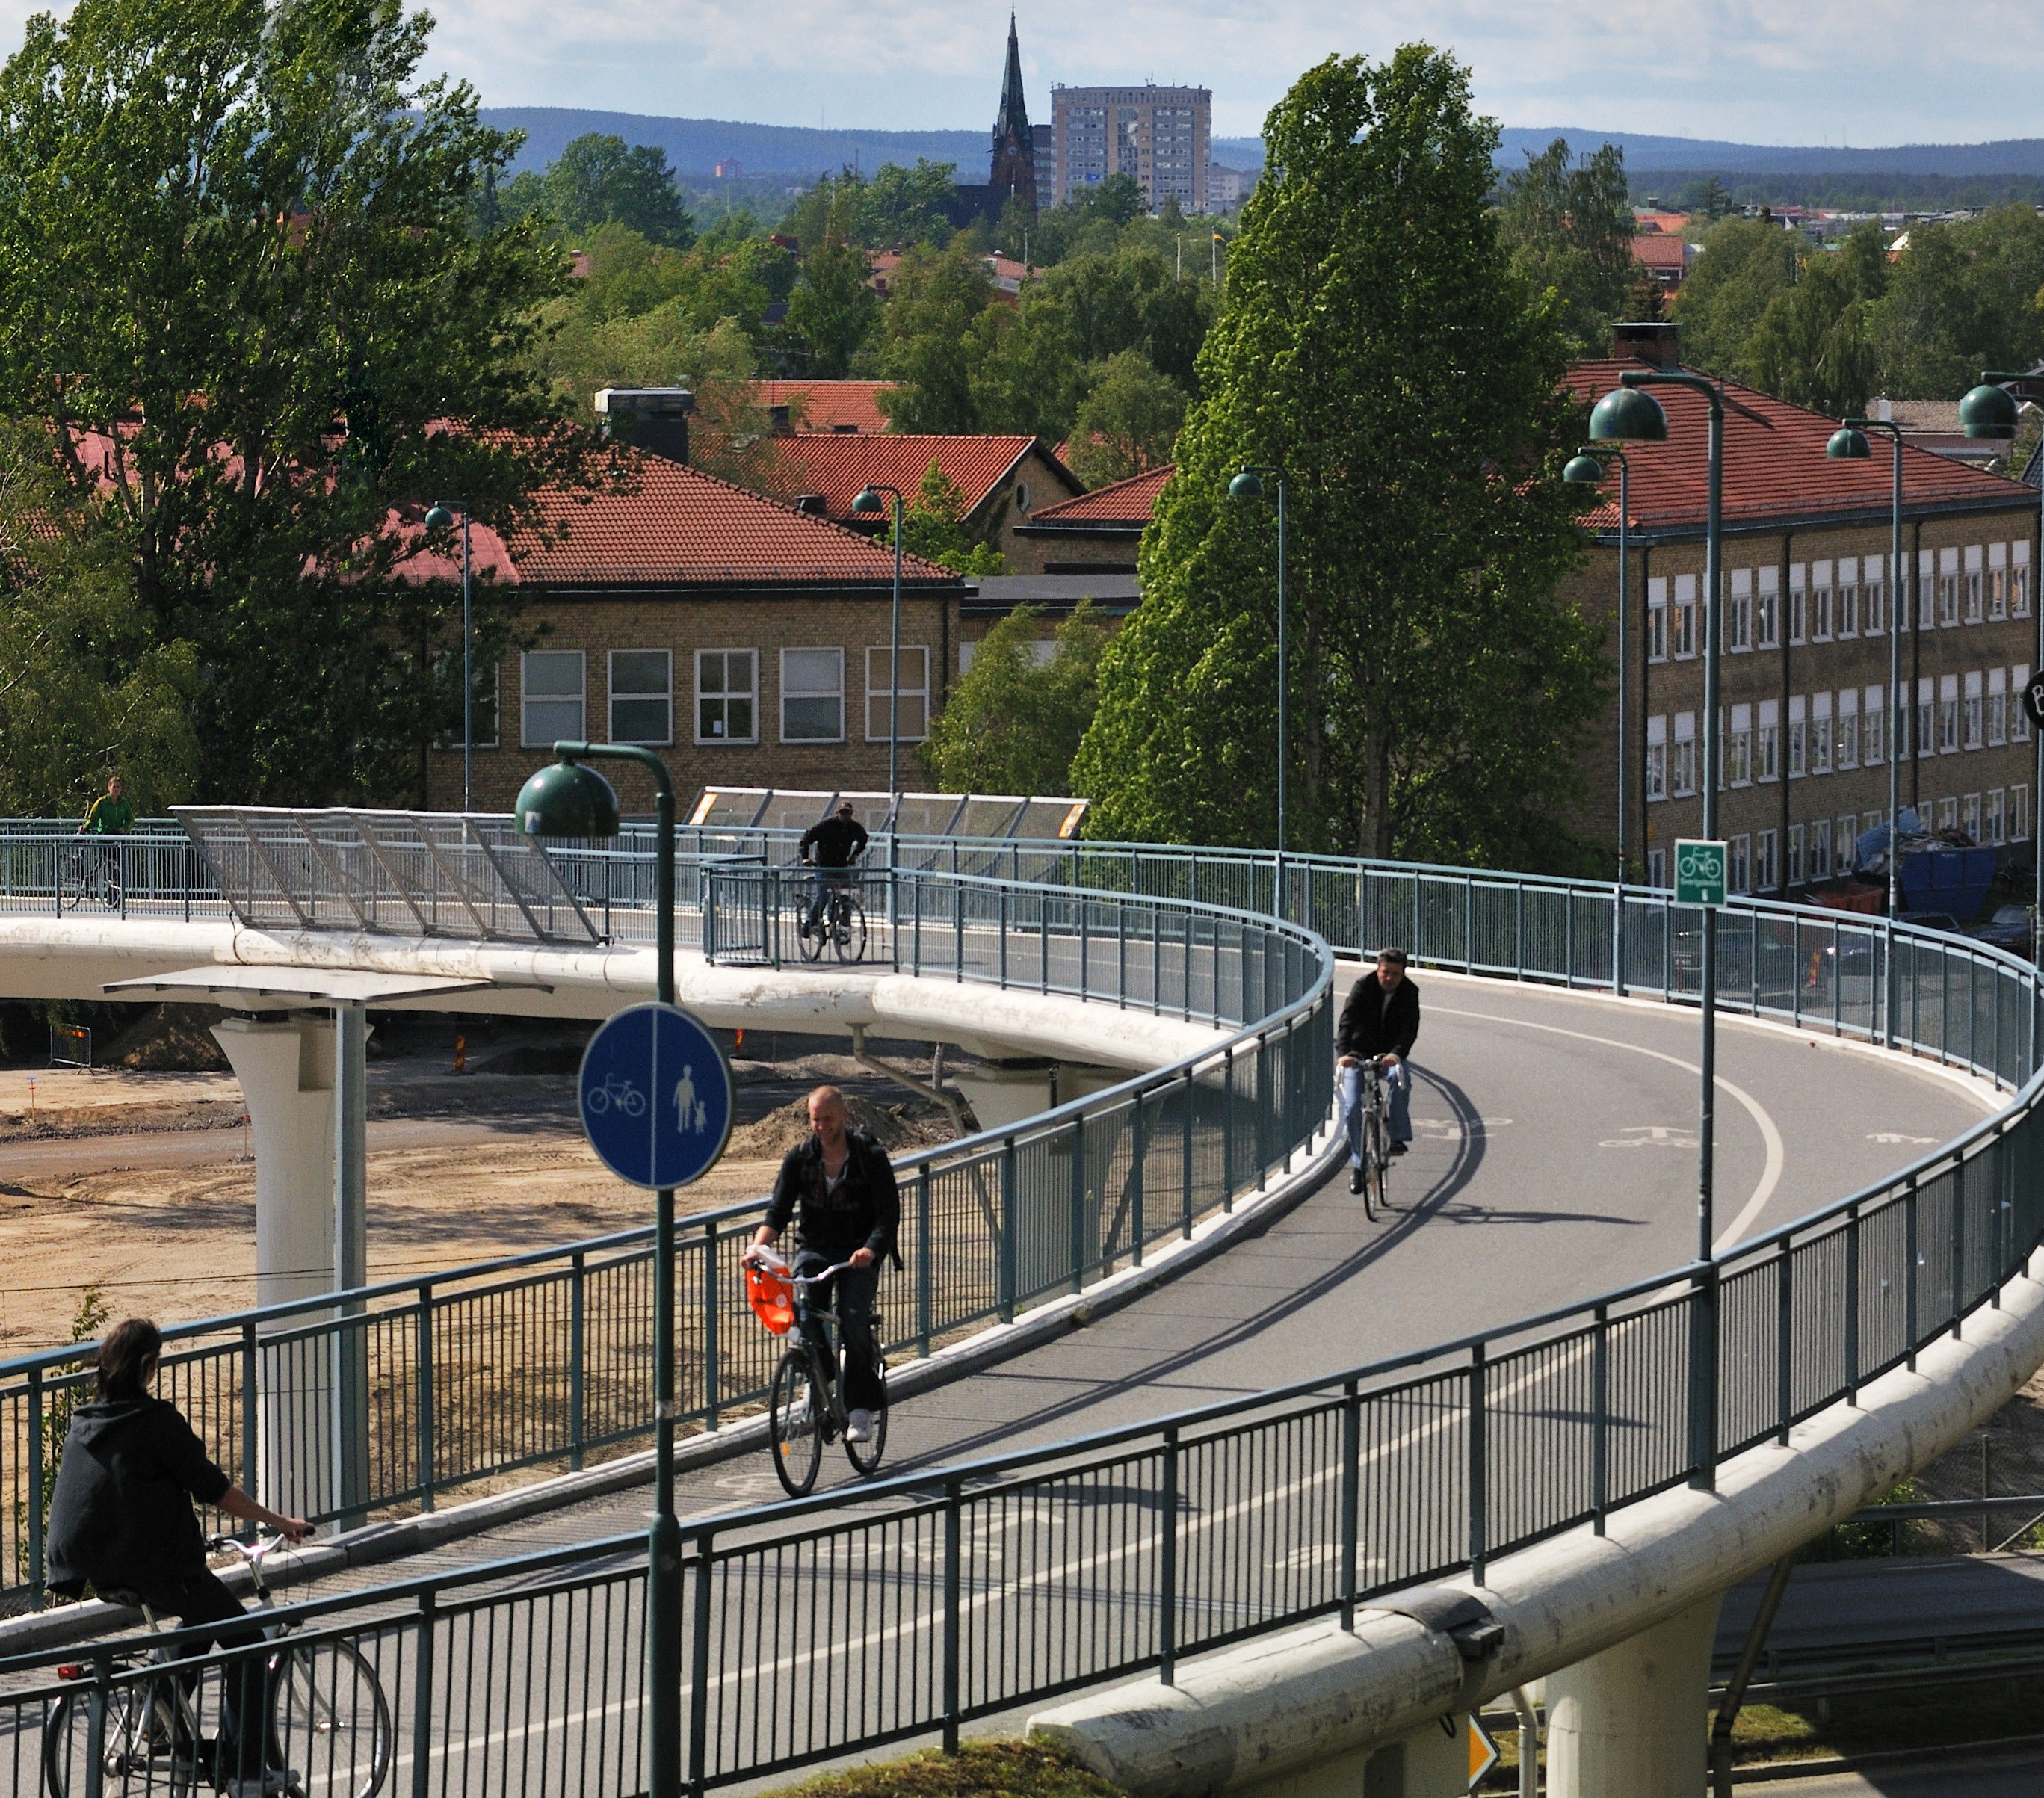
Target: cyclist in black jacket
column 843, row 1185
column 1380, row 1023
column 832, row 844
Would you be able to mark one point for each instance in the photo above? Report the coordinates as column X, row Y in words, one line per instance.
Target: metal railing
column 545, row 1358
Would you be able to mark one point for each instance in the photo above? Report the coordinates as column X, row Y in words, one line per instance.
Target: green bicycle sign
column 1699, row 872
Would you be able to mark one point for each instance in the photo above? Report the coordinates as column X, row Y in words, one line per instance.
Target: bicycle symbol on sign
column 1700, row 864
column 616, row 1090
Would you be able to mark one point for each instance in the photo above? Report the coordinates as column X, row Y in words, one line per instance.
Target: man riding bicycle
column 832, row 845
column 110, row 815
column 842, row 1183
column 122, row 1519
column 1379, row 1025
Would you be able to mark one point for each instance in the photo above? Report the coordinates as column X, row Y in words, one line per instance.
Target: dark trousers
column 245, row 1709
column 850, row 1294
column 827, row 881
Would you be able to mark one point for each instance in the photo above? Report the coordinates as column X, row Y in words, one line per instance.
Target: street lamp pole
column 868, row 501
column 1586, row 470
column 567, row 799
column 1248, row 485
column 439, row 518
column 1628, row 415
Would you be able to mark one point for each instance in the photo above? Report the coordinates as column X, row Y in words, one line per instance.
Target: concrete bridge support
column 1633, row 1719
column 303, row 1078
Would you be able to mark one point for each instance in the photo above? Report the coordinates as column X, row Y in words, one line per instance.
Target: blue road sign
column 656, row 1101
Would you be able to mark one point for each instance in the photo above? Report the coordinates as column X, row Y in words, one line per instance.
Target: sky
column 1863, row 72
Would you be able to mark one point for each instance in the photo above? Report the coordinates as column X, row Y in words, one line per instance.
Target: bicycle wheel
column 132, row 1716
column 795, row 1423
column 811, row 942
column 866, row 1456
column 1376, row 1158
column 332, row 1719
column 848, row 930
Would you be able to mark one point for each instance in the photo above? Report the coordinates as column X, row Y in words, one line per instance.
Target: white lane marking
column 1777, row 1157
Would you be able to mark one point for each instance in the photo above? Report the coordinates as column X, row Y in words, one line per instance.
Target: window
column 1948, row 714
column 1764, row 879
column 2019, row 579
column 1845, row 851
column 642, row 696
column 1820, row 733
column 1948, row 814
column 1927, row 589
column 1795, row 869
column 1997, row 581
column 1657, row 758
column 2019, row 720
column 1970, row 815
column 1845, row 607
column 1969, row 588
column 726, row 696
column 1820, row 850
column 1683, row 778
column 1767, row 741
column 1820, row 602
column 1657, row 867
column 2018, row 813
column 1996, row 820
column 1738, row 869
column 1873, row 751
column 1797, row 603
column 1948, row 587
column 913, row 713
column 1767, row 610
column 1973, row 736
column 1685, row 620
column 1846, row 735
column 1739, row 612
column 1927, row 725
column 1871, row 592
column 1656, row 619
column 1738, row 748
column 812, row 696
column 550, row 680
column 1799, row 754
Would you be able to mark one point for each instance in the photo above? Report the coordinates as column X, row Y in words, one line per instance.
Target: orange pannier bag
column 772, row 1297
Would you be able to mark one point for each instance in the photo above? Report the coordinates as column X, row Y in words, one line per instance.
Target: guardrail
column 545, row 1358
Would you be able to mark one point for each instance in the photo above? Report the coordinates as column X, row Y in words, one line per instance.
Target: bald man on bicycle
column 1379, row 1024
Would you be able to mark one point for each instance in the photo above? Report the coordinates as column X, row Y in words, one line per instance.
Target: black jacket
column 1376, row 1022
column 865, row 1212
column 121, row 1515
column 837, row 841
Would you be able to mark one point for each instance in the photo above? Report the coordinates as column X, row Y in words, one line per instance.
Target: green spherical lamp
column 1849, row 443
column 1987, row 411
column 567, row 799
column 1625, row 415
column 867, row 500
column 1247, row 485
column 1584, row 471
column 439, row 519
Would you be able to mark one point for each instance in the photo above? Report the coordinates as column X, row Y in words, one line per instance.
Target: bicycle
column 84, row 879
column 804, row 1411
column 616, row 1090
column 842, row 928
column 325, row 1701
column 1374, row 1100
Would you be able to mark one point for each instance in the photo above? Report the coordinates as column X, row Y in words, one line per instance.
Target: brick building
column 1805, row 638
column 1096, row 533
column 746, row 640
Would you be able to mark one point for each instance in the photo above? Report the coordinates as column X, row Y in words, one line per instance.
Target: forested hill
column 695, row 146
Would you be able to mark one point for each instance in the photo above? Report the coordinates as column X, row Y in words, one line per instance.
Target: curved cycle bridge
column 1488, row 1496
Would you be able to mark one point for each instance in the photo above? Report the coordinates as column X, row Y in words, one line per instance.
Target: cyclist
column 122, row 1519
column 836, row 842
column 1380, row 1023
column 110, row 815
column 843, row 1185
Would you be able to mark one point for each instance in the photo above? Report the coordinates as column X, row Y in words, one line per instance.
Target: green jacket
column 109, row 817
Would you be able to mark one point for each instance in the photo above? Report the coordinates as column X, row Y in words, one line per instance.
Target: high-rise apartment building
column 1159, row 134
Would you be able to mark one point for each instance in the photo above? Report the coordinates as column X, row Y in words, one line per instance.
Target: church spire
column 1014, row 109
column 1012, row 171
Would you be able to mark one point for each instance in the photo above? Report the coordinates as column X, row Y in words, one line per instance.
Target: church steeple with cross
column 1012, row 173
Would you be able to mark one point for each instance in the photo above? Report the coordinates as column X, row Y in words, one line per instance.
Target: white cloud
column 1863, row 72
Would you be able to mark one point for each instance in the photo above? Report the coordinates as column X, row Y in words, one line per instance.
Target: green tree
column 1375, row 347
column 833, row 309
column 1745, row 264
column 1811, row 347
column 597, row 180
column 1567, row 225
column 933, row 526
column 926, row 340
column 1127, row 423
column 913, row 205
column 246, row 236
column 1960, row 298
column 1013, row 723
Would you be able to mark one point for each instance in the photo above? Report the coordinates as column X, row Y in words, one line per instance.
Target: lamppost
column 1849, row 443
column 1587, row 471
column 1627, row 415
column 868, row 501
column 1248, row 485
column 566, row 799
column 439, row 519
column 1990, row 411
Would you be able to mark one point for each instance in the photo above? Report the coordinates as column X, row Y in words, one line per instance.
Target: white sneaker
column 858, row 1426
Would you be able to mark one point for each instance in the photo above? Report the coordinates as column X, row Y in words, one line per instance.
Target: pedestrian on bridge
column 1380, row 1023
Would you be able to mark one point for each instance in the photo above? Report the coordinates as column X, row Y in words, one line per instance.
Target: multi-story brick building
column 1159, row 134
column 746, row 640
column 1805, row 617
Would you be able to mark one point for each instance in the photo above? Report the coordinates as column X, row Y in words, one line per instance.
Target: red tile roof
column 1657, row 250
column 1774, row 463
column 681, row 527
column 827, row 405
column 1126, row 502
column 838, row 465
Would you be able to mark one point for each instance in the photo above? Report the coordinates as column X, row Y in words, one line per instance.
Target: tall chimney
column 650, row 418
column 1653, row 341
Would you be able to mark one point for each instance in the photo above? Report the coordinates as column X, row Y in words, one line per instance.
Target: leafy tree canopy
column 1374, row 346
column 1128, row 424
column 933, row 527
column 1567, row 225
column 897, row 208
column 597, row 181
column 1014, row 721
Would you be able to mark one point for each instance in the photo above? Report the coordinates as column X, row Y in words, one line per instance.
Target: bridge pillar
column 1632, row 1720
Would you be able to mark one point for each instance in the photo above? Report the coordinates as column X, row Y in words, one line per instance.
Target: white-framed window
column 726, row 696
column 1682, row 774
column 1799, row 737
column 2019, row 579
column 812, row 696
column 1847, row 733
column 1997, row 582
column 1948, row 714
column 1820, row 733
column 1845, row 851
column 1657, row 757
column 1657, row 618
column 1765, row 878
column 1738, row 869
column 1970, row 815
column 1657, row 867
column 1738, row 613
column 1971, row 598
column 1820, row 849
column 1972, row 734
column 1927, row 589
column 1683, row 625
column 551, row 685
column 1795, row 868
column 2018, row 813
column 1926, row 716
column 1767, row 609
column 1948, row 588
column 1845, row 606
column 1820, row 602
column 1798, row 604
column 1738, row 748
column 914, row 701
column 1767, row 741
column 1873, row 594
column 642, row 696
column 1948, row 813
column 2019, row 720
column 1872, row 748
column 1996, row 820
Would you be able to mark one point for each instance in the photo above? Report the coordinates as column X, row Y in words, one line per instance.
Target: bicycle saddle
column 119, row 1595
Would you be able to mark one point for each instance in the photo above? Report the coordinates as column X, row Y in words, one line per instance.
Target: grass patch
column 979, row 1769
